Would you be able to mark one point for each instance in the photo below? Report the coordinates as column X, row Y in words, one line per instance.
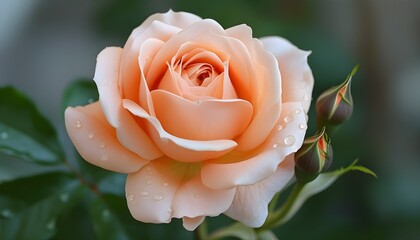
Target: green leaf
column 24, row 132
column 105, row 222
column 39, row 220
column 322, row 182
column 237, row 230
column 80, row 93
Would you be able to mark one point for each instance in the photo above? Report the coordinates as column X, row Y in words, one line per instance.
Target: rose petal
column 165, row 189
column 95, row 140
column 106, row 79
column 238, row 168
column 250, row 203
column 297, row 78
column 183, row 150
column 129, row 133
column 192, row 223
column 205, row 120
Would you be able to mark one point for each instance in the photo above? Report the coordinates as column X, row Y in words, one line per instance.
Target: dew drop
column 78, row 124
column 297, row 111
column 145, row 193
column 288, row 119
column 50, row 224
column 197, row 195
column 306, row 98
column 6, row 213
column 104, row 156
column 130, row 197
column 159, row 196
column 165, row 184
column 64, row 197
column 169, row 210
column 302, row 126
column 91, row 135
column 275, row 145
column 280, row 127
column 289, row 140
column 149, row 182
column 102, row 145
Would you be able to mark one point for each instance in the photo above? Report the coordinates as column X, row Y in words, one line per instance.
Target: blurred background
column 45, row 45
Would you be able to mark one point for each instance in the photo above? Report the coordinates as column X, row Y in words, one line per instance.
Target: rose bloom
column 203, row 120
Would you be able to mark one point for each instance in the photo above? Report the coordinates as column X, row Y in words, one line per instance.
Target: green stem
column 275, row 218
column 201, row 232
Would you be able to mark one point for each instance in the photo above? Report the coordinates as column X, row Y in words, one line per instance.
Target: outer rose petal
column 128, row 132
column 192, row 223
column 165, row 189
column 95, row 140
column 297, row 78
column 250, row 203
column 236, row 169
column 180, row 149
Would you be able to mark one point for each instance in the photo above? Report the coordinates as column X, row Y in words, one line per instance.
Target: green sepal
column 237, row 230
column 24, row 132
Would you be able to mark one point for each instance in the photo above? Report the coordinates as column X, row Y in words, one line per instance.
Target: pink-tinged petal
column 192, row 223
column 180, row 149
column 106, row 79
column 250, row 202
column 166, row 189
column 195, row 199
column 246, row 168
column 130, row 71
column 266, row 98
column 95, row 140
column 297, row 78
column 203, row 120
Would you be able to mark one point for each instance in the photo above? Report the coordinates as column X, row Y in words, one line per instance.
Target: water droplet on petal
column 104, row 156
column 288, row 119
column 145, row 193
column 130, row 197
column 280, row 127
column 78, row 124
column 102, row 145
column 6, row 213
column 289, row 140
column 165, row 184
column 297, row 111
column 302, row 126
column 91, row 135
column 306, row 98
column 169, row 210
column 275, row 145
column 159, row 196
column 51, row 224
column 64, row 197
column 197, row 195
column 149, row 182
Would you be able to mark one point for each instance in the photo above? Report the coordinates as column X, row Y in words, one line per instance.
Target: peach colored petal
column 130, row 71
column 106, row 79
column 266, row 98
column 192, row 223
column 250, row 203
column 183, row 150
column 95, row 140
column 203, row 120
column 210, row 34
column 250, row 168
column 166, row 189
column 297, row 78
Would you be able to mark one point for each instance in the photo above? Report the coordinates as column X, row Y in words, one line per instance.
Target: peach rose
column 203, row 120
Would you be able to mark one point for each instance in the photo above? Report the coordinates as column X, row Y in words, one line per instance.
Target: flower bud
column 335, row 105
column 314, row 157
